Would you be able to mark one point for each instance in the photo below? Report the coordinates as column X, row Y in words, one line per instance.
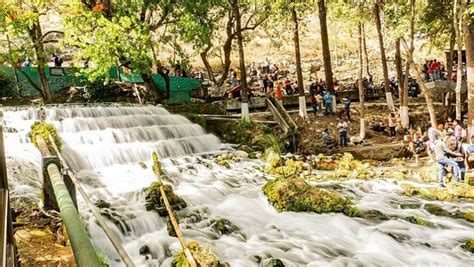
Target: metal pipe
column 100, row 220
column 82, row 248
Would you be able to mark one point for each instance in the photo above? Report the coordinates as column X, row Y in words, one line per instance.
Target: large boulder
column 154, row 199
column 295, row 194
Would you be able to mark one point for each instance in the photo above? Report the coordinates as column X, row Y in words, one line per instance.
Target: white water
column 112, row 141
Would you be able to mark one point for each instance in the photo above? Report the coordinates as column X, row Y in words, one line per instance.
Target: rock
column 102, row 204
column 242, row 154
column 461, row 190
column 469, row 216
column 223, row 227
column 409, row 189
column 294, row 194
column 373, row 215
column 436, row 210
column 272, row 262
column 290, row 168
column 253, row 155
column 469, row 245
column 202, row 256
column 142, row 164
column 155, row 202
column 170, row 229
column 418, row 220
column 410, row 205
column 144, row 250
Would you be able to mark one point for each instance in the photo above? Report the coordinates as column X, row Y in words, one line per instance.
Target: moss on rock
column 436, row 210
column 469, row 245
column 203, row 256
column 154, row 200
column 469, row 216
column 418, row 220
column 44, row 129
column 294, row 194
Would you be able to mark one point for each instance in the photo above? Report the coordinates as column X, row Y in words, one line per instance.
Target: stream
column 110, row 149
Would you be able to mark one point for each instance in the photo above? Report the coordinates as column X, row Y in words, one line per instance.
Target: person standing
column 319, row 99
column 279, row 93
column 392, row 124
column 346, row 108
column 440, row 151
column 458, row 130
column 342, row 127
column 327, row 103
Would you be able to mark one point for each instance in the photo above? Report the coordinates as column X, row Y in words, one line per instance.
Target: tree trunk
column 35, row 35
column 457, row 18
column 227, row 47
column 429, row 101
column 243, row 72
column 404, row 118
column 398, row 65
column 452, row 42
column 206, row 63
column 151, row 86
column 299, row 72
column 378, row 23
column 361, row 86
column 325, row 45
column 469, row 33
column 365, row 51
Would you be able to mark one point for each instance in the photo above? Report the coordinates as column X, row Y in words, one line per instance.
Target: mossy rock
column 469, row 216
column 295, row 194
column 461, row 190
column 154, row 200
column 373, row 215
column 102, row 204
column 170, row 229
column 469, row 245
column 223, row 227
column 327, row 165
column 409, row 189
column 44, row 129
column 419, row 221
column 272, row 262
column 203, row 257
column 436, row 210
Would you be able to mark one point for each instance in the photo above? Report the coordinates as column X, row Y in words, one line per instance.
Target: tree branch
column 50, row 32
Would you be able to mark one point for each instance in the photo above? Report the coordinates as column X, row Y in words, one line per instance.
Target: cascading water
column 110, row 148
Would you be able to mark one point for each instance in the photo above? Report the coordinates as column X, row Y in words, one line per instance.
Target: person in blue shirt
column 328, row 103
column 346, row 108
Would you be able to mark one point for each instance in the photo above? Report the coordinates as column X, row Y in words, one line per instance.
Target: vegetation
column 7, row 86
column 155, row 202
column 203, row 256
column 45, row 129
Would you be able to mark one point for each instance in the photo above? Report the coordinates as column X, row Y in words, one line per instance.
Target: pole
column 100, row 220
column 158, row 171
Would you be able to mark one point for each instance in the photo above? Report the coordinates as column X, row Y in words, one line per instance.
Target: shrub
column 7, row 86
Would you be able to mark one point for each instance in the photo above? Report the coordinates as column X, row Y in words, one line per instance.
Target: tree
column 322, row 11
column 469, row 33
column 378, row 23
column 457, row 22
column 21, row 22
column 119, row 33
column 360, row 84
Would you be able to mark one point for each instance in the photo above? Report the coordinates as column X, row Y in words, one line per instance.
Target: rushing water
column 110, row 146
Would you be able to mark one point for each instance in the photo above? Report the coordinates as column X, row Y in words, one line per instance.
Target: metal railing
column 7, row 242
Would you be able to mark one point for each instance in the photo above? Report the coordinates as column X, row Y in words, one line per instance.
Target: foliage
column 202, row 255
column 419, row 221
column 102, row 259
column 7, row 86
column 154, row 199
column 44, row 129
column 469, row 245
column 294, row 194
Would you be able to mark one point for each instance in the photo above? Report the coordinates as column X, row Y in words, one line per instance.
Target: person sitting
column 327, row 140
column 378, row 127
column 441, row 151
column 455, row 145
column 288, row 87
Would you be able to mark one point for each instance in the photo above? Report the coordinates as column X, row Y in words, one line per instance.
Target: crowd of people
column 444, row 145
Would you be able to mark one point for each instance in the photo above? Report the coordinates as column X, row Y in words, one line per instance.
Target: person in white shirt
column 342, row 127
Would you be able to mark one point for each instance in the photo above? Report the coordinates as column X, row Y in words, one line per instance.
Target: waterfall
column 110, row 146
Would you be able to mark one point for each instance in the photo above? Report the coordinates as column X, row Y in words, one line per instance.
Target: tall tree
column 299, row 71
column 22, row 23
column 469, row 33
column 322, row 11
column 366, row 54
column 243, row 71
column 361, row 86
column 457, row 21
column 378, row 23
column 404, row 118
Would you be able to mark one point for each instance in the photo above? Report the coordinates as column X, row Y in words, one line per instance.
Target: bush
column 7, row 86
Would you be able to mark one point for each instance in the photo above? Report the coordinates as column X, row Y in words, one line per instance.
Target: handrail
column 158, row 172
column 82, row 248
column 278, row 118
column 7, row 242
column 100, row 220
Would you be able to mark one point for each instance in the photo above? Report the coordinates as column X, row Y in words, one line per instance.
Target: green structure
column 180, row 88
